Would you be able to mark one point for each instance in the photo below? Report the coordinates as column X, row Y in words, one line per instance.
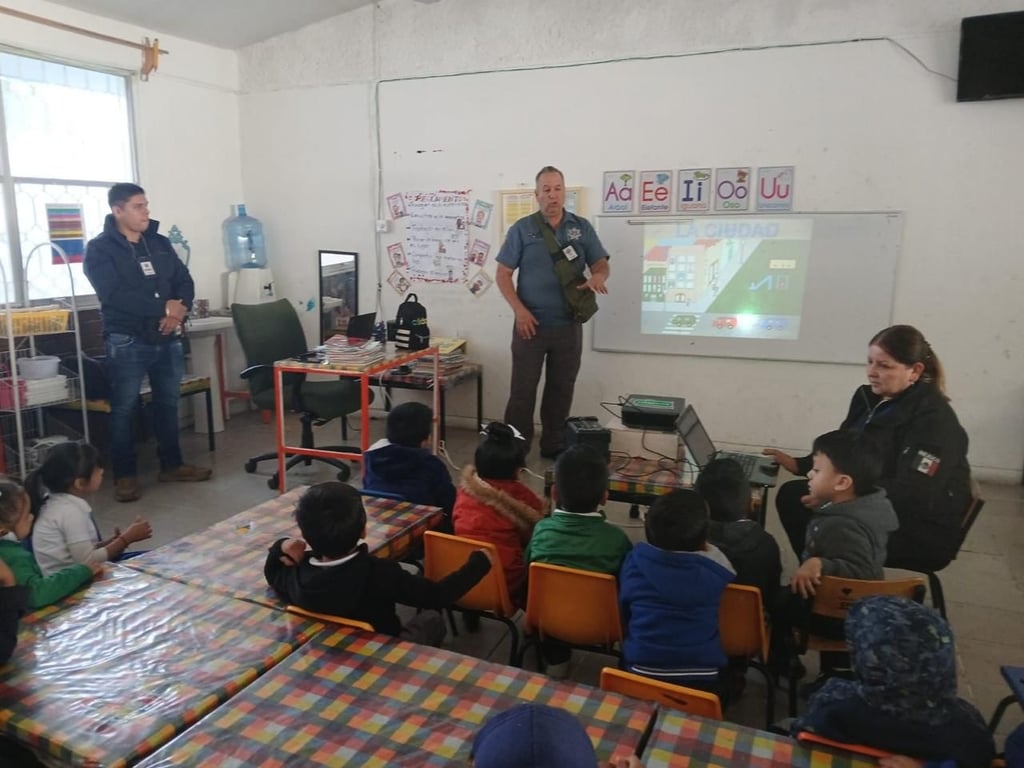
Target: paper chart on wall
column 436, row 235
column 517, row 203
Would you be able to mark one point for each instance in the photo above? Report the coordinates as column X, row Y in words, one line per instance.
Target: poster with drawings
column 436, row 237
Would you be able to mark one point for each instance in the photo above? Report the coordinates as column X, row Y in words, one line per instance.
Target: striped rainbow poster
column 67, row 230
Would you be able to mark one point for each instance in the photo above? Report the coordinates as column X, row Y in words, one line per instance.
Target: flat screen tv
column 991, row 57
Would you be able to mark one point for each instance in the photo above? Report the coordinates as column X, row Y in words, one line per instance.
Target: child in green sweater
column 577, row 535
column 15, row 524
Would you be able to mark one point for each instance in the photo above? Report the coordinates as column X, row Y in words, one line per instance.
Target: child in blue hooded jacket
column 670, row 589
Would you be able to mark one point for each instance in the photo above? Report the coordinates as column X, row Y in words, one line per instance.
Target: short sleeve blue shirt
column 538, row 286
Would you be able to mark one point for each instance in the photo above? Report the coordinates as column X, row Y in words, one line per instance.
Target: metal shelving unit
column 23, row 419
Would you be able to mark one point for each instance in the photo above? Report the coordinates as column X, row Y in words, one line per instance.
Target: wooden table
column 228, row 557
column 366, row 375
column 356, row 698
column 114, row 671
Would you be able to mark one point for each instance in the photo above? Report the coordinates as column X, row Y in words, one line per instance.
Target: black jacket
column 131, row 302
column 926, row 475
column 753, row 552
column 366, row 588
column 13, row 603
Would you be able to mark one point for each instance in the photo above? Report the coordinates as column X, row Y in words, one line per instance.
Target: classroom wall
column 186, row 123
column 866, row 125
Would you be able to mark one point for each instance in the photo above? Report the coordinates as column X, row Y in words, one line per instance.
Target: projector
column 657, row 412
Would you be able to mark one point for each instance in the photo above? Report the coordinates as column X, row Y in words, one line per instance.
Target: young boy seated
column 401, row 463
column 577, row 534
column 337, row 575
column 751, row 550
column 670, row 592
column 538, row 736
column 848, row 532
column 902, row 697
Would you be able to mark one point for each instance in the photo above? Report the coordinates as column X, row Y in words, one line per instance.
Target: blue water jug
column 243, row 241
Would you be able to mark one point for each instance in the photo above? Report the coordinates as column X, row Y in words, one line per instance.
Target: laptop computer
column 361, row 326
column 760, row 470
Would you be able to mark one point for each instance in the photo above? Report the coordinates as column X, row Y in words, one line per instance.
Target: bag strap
column 549, row 237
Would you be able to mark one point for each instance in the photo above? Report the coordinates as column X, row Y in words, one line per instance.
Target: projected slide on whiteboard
column 800, row 286
column 731, row 278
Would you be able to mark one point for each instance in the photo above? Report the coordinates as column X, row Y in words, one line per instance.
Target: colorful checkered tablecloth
column 354, row 698
column 630, row 477
column 116, row 670
column 682, row 740
column 228, row 556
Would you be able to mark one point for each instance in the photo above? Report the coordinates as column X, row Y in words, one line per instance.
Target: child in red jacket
column 493, row 506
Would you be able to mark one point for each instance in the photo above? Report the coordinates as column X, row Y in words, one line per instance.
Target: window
column 65, row 137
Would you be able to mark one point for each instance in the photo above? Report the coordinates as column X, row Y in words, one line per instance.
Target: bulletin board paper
column 436, row 235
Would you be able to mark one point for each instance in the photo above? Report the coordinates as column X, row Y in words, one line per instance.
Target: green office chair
column 271, row 332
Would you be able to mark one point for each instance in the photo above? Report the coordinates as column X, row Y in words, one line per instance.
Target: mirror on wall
column 339, row 291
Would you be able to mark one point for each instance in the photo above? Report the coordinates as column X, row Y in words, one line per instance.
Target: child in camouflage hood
column 902, row 697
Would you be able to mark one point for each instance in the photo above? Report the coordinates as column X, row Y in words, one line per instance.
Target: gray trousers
column 561, row 347
column 425, row 628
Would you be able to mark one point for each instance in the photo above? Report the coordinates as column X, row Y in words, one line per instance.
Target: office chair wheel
column 273, row 483
column 250, row 466
column 344, row 474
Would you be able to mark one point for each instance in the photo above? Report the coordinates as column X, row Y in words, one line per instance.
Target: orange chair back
column 835, row 595
column 330, row 618
column 578, row 607
column 689, row 700
column 809, row 739
column 741, row 623
column 444, row 553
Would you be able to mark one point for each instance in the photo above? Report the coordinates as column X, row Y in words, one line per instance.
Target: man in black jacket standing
column 145, row 292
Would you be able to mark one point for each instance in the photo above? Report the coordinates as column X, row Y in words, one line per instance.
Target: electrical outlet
column 383, row 225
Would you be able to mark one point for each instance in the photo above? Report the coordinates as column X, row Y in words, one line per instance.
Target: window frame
column 9, row 182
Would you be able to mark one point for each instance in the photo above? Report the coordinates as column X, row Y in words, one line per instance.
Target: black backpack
column 411, row 330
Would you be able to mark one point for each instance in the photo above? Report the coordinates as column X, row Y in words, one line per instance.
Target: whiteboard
column 809, row 287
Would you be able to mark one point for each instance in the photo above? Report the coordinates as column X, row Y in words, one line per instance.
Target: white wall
column 186, row 122
column 867, row 126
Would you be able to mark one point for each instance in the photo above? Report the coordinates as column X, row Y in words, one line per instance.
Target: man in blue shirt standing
column 145, row 293
column 545, row 328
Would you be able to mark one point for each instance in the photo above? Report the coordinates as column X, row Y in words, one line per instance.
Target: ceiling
column 222, row 23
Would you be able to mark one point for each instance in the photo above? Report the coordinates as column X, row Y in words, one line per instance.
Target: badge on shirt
column 147, row 268
column 570, row 253
column 574, row 233
column 927, row 463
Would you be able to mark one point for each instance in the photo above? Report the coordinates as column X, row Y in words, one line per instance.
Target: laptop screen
column 361, row 326
column 696, row 438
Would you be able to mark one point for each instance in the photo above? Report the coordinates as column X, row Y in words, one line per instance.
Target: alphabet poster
column 436, row 235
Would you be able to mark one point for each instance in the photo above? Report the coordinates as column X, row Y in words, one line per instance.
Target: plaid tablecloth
column 353, row 698
column 681, row 740
column 228, row 556
column 633, row 478
column 119, row 668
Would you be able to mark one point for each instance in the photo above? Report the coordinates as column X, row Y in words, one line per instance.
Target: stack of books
column 354, row 356
column 452, row 354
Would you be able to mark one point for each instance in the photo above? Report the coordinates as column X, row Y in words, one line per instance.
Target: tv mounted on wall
column 991, row 57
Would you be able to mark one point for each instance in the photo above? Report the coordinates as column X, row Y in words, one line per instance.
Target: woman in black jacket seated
column 926, row 474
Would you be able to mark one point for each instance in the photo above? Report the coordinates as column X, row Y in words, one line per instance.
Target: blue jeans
column 128, row 361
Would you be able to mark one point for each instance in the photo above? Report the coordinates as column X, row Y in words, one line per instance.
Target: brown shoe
column 186, row 473
column 126, row 489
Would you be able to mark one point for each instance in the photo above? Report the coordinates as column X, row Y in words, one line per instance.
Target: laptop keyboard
column 746, row 460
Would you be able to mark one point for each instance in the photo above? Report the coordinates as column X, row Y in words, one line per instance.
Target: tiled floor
column 984, row 586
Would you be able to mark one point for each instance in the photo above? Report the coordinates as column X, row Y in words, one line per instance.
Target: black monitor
column 991, row 57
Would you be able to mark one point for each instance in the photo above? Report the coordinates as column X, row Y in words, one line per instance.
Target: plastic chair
column 806, row 738
column 832, row 600
column 444, row 553
column 330, row 618
column 580, row 608
column 271, row 332
column 689, row 700
column 744, row 634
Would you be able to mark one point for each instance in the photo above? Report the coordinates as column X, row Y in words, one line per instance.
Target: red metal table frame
column 365, row 375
